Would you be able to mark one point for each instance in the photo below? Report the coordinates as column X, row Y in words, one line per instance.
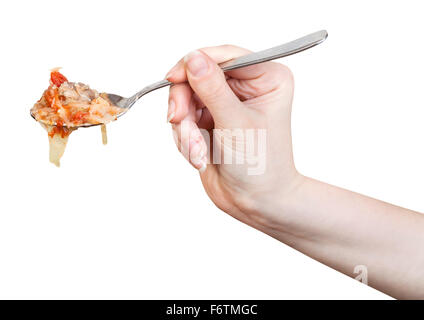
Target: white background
column 130, row 219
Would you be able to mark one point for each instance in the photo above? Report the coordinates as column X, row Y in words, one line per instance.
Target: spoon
column 283, row 50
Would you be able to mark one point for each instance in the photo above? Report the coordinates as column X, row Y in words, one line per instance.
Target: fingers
column 191, row 143
column 180, row 92
column 180, row 96
column 221, row 54
column 188, row 116
column 218, row 54
column 211, row 99
column 252, row 72
column 189, row 139
column 209, row 83
column 246, row 83
column 264, row 79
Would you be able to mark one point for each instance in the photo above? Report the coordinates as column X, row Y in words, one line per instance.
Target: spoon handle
column 283, row 50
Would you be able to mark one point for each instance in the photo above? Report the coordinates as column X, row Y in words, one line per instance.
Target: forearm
column 343, row 229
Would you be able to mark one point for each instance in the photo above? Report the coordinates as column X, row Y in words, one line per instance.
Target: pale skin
column 337, row 227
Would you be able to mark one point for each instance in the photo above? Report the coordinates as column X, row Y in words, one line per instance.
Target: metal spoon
column 283, row 50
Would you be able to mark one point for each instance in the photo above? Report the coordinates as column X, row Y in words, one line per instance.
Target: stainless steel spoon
column 283, row 50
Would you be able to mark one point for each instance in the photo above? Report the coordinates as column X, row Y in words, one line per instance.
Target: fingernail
column 196, row 63
column 196, row 154
column 171, row 110
column 198, row 157
column 171, row 73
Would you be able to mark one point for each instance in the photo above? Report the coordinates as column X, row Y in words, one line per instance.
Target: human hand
column 214, row 116
column 342, row 229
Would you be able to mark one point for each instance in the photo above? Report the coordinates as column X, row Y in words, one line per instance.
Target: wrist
column 273, row 210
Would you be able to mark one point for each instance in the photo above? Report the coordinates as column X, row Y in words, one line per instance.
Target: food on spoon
column 65, row 105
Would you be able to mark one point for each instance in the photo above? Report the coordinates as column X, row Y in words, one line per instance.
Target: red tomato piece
column 57, row 78
column 79, row 116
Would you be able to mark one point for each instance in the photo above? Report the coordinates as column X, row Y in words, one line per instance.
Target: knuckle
column 227, row 46
column 283, row 73
column 279, row 76
column 213, row 89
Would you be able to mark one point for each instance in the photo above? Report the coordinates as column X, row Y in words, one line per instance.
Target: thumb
column 208, row 81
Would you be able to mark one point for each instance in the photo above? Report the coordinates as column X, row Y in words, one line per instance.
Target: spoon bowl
column 283, row 50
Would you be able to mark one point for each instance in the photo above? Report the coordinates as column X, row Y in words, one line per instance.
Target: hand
column 257, row 99
column 340, row 228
